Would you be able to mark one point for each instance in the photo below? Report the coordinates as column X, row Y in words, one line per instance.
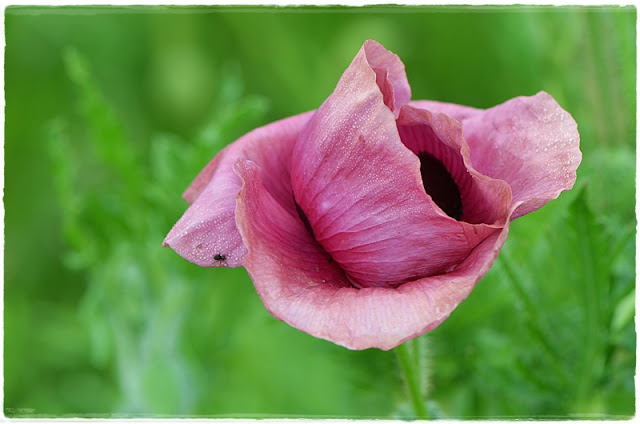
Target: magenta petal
column 529, row 142
column 361, row 191
column 390, row 75
column 299, row 285
column 207, row 231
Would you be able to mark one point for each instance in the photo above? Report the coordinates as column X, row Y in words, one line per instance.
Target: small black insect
column 219, row 257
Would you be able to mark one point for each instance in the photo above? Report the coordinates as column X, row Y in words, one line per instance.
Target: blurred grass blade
column 105, row 129
column 65, row 177
column 624, row 312
column 590, row 252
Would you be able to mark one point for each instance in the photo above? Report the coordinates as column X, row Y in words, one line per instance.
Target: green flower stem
column 411, row 374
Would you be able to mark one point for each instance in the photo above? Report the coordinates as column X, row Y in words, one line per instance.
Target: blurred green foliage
column 111, row 111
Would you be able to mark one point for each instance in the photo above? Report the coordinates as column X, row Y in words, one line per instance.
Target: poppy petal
column 299, row 284
column 362, row 193
column 207, row 231
column 390, row 75
column 481, row 199
column 529, row 142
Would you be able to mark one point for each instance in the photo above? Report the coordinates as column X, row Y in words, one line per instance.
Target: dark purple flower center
column 440, row 185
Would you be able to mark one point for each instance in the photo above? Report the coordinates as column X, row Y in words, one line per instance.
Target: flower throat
column 440, row 185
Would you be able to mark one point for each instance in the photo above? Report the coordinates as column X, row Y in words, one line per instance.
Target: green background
column 111, row 111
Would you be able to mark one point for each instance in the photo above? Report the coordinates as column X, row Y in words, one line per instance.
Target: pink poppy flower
column 367, row 221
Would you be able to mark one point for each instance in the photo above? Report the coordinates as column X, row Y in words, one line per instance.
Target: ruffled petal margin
column 390, row 75
column 529, row 142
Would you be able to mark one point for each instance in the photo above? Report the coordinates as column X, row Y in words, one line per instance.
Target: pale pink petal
column 299, row 284
column 207, row 234
column 361, row 191
column 531, row 143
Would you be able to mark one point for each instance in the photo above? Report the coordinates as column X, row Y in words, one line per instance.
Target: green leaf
column 624, row 312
